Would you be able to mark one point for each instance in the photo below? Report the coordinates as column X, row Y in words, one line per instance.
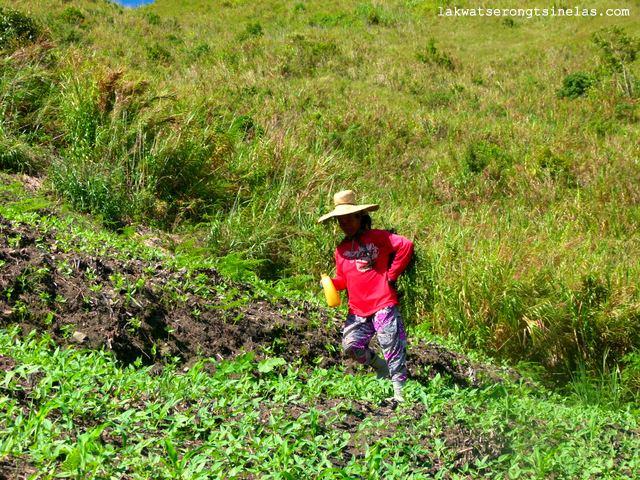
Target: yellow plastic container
column 333, row 297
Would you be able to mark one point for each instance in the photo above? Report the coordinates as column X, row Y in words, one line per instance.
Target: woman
column 368, row 263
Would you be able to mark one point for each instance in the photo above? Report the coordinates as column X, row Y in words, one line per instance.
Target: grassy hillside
column 119, row 359
column 506, row 147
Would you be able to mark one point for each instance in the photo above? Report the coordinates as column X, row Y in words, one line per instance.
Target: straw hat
column 345, row 203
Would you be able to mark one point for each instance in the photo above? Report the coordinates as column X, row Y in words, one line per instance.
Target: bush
column 432, row 56
column 575, row 85
column 556, row 166
column 252, row 30
column 153, row 18
column 17, row 29
column 158, row 53
column 481, row 154
column 72, row 16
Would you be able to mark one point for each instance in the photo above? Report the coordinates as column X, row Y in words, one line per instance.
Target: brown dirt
column 158, row 319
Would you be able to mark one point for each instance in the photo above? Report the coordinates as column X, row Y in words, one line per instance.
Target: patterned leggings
column 387, row 323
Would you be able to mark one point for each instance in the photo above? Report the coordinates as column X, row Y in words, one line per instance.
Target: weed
column 252, row 30
column 432, row 55
column 72, row 15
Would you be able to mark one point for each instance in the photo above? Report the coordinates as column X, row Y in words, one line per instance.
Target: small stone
column 79, row 337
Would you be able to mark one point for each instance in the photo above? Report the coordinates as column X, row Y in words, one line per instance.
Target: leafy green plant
column 17, row 29
column 575, row 85
column 617, row 52
column 483, row 154
column 158, row 52
column 72, row 15
column 252, row 30
column 432, row 55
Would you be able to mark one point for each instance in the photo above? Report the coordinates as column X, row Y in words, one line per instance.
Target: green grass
column 243, row 119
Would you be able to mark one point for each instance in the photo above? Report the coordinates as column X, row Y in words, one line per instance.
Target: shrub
column 617, row 52
column 481, row 154
column 153, row 18
column 575, row 85
column 432, row 56
column 557, row 167
column 17, row 29
column 158, row 52
column 73, row 16
column 252, row 30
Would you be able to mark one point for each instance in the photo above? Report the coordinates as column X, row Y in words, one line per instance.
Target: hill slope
column 88, row 289
column 107, row 293
column 239, row 385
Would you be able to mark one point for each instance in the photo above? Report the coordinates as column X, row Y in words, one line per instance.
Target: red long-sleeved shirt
column 369, row 289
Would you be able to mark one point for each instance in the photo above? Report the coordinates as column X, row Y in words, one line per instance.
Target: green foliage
column 557, row 167
column 121, row 161
column 627, row 112
column 153, row 18
column 374, row 14
column 305, row 57
column 90, row 417
column 158, row 52
column 252, row 30
column 329, row 20
column 72, row 15
column 238, row 269
column 575, row 85
column 482, row 154
column 20, row 156
column 248, row 117
column 433, row 56
column 617, row 52
column 92, row 191
column 17, row 29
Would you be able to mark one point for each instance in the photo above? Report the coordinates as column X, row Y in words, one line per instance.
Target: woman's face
column 350, row 224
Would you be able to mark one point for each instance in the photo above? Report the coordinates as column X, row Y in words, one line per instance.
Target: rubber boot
column 381, row 367
column 398, row 394
column 398, row 390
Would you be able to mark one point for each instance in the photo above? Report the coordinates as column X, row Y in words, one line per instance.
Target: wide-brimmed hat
column 345, row 203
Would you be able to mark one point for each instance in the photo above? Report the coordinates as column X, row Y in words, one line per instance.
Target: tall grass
column 246, row 118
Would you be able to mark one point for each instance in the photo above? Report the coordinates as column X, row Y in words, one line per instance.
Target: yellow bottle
column 333, row 297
